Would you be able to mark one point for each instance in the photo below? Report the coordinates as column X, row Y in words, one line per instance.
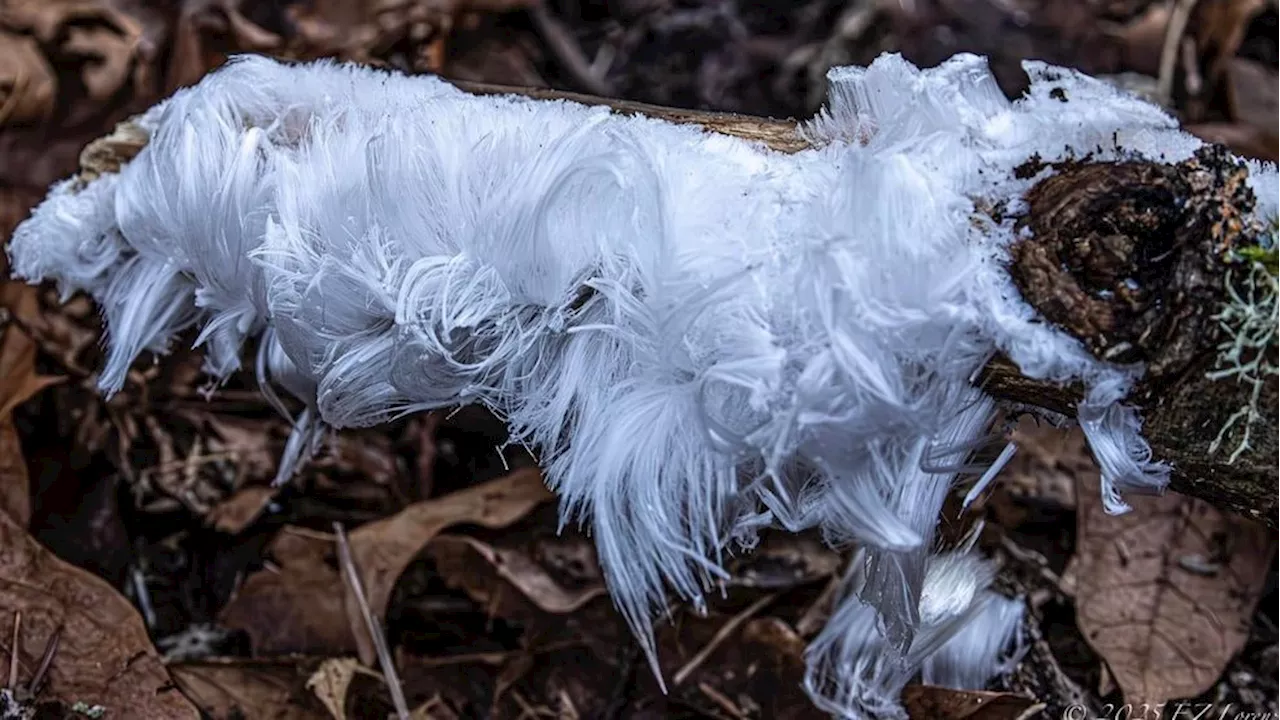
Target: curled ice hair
column 701, row 337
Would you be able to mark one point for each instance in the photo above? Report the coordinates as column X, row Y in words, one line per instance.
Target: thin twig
column 375, row 628
column 721, row 635
column 1033, row 711
column 140, row 592
column 309, row 533
column 527, row 709
column 568, row 711
column 820, row 609
column 13, row 651
column 493, row 658
column 1194, row 82
column 1179, row 14
column 1039, row 562
column 46, row 662
column 720, row 699
column 856, row 19
column 567, row 50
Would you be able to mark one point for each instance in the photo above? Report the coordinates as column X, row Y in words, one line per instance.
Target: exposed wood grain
column 781, row 135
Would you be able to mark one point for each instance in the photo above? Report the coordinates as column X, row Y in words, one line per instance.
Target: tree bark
column 1128, row 257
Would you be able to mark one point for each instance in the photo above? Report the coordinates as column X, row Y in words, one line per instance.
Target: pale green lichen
column 1249, row 320
column 89, row 711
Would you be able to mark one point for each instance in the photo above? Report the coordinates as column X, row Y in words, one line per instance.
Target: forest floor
column 145, row 555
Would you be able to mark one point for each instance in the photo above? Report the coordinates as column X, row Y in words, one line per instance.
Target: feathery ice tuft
column 701, row 337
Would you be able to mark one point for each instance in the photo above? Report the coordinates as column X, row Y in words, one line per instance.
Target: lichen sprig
column 1249, row 319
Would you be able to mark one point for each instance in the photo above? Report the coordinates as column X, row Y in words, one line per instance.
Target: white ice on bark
column 700, row 336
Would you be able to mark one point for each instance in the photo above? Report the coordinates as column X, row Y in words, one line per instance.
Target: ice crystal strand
column 701, row 336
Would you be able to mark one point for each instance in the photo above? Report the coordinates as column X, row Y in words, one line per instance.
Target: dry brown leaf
column 1165, row 593
column 1219, row 28
column 19, row 382
column 202, row 33
column 237, row 689
column 1047, row 463
column 67, row 333
column 104, row 657
column 1142, row 37
column 1252, row 93
column 95, row 51
column 1244, row 140
column 93, row 38
column 366, row 31
column 491, row 6
column 1035, row 491
column 457, row 557
column 110, row 152
column 15, row 484
column 383, row 549
column 252, row 445
column 109, row 53
column 241, row 509
column 366, row 455
column 754, row 670
column 927, row 702
column 330, row 683
column 18, row 392
column 296, row 607
column 28, row 86
column 200, row 459
column 15, row 205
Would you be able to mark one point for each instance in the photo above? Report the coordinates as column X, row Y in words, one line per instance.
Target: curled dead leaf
column 236, row 689
column 28, row 86
column 203, row 33
column 110, row 152
column 19, row 382
column 94, row 39
column 1243, row 139
column 295, row 606
column 456, row 559
column 104, row 656
column 201, row 459
column 15, row 485
column 66, row 333
column 15, row 204
column 367, row 32
column 241, row 509
column 383, row 549
column 1250, row 96
column 927, row 702
column 330, row 683
column 1254, row 102
column 1219, row 28
column 1142, row 37
column 1165, row 593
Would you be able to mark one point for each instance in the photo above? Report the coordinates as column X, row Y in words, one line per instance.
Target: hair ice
column 701, row 336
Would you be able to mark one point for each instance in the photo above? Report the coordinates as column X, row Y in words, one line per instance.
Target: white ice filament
column 700, row 336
